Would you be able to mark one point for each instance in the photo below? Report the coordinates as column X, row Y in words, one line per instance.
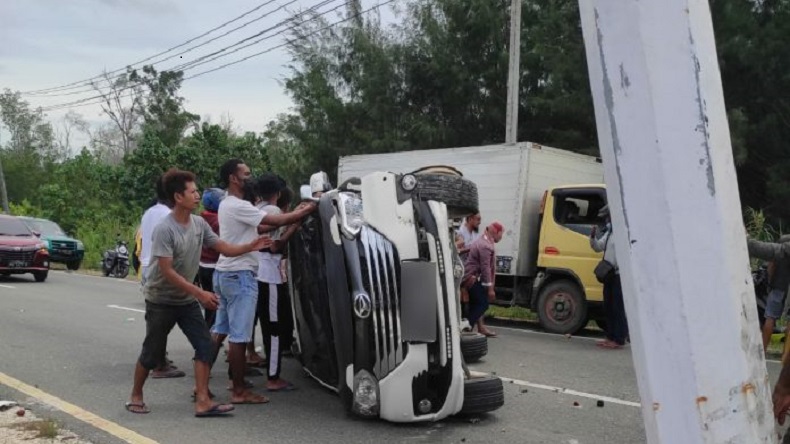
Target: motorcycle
column 115, row 261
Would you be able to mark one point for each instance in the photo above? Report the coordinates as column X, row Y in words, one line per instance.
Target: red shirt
column 209, row 255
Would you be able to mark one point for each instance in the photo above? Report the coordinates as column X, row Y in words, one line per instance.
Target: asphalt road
column 77, row 337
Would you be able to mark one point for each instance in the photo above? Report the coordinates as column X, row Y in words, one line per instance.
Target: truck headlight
column 366, row 394
column 80, row 246
column 351, row 217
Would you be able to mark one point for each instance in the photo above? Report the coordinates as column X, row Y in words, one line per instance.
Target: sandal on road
column 251, row 398
column 137, row 407
column 216, row 410
column 169, row 373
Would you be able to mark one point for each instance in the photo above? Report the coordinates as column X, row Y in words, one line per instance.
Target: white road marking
column 563, row 390
column 126, row 308
column 543, row 333
column 126, row 281
column 7, row 286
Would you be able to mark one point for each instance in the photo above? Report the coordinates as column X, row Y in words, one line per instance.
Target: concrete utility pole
column 678, row 227
column 511, row 126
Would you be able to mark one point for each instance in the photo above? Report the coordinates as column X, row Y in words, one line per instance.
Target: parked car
column 375, row 280
column 21, row 251
column 62, row 247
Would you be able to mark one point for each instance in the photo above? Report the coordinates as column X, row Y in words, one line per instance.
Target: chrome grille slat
column 368, row 250
column 8, row 255
column 382, row 277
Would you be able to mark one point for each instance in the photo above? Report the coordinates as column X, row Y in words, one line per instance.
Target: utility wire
column 87, row 81
column 90, row 100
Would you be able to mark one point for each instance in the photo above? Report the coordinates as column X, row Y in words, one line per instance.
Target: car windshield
column 48, row 228
column 10, row 226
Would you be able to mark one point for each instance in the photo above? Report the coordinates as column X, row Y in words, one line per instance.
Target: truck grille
column 7, row 256
column 63, row 245
column 381, row 274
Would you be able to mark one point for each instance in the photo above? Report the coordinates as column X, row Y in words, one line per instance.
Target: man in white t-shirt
column 469, row 231
column 235, row 277
column 151, row 218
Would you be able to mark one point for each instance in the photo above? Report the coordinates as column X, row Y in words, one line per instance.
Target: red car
column 21, row 251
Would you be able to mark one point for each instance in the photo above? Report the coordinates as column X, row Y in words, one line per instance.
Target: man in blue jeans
column 171, row 297
column 235, row 278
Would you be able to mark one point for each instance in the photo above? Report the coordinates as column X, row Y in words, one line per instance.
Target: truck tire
column 562, row 308
column 482, row 395
column 473, row 346
column 73, row 265
column 459, row 194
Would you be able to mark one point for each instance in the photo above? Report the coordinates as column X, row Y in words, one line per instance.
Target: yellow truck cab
column 544, row 260
column 566, row 288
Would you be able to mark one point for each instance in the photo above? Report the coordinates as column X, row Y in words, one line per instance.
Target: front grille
column 63, row 245
column 381, row 274
column 7, row 256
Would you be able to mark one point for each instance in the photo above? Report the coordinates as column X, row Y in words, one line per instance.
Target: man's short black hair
column 228, row 169
column 267, row 185
column 286, row 196
column 175, row 181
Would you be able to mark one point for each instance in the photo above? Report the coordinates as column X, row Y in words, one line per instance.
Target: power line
column 87, row 81
column 90, row 100
column 93, row 86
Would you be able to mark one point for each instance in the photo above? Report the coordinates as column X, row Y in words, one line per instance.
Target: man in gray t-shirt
column 171, row 297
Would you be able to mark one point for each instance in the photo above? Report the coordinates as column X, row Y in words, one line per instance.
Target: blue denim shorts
column 774, row 304
column 238, row 300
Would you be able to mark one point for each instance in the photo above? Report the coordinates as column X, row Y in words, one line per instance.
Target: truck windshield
column 578, row 211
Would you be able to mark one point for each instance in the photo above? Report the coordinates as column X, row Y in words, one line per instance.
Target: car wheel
column 473, row 346
column 483, row 394
column 562, row 308
column 74, row 265
column 40, row 276
column 458, row 193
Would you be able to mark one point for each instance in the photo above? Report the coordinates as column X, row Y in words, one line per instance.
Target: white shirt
column 269, row 265
column 238, row 224
column 468, row 235
column 151, row 219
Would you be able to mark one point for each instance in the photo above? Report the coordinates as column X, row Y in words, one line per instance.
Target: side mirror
column 36, row 233
column 306, row 193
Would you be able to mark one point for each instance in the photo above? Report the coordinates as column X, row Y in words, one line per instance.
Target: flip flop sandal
column 216, row 410
column 260, row 400
column 286, row 388
column 140, row 405
column 170, row 373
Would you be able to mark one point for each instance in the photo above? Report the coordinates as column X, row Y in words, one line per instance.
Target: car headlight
column 351, row 217
column 366, row 394
column 80, row 246
column 122, row 249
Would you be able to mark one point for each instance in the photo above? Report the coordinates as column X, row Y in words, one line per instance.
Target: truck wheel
column 562, row 308
column 473, row 346
column 74, row 265
column 459, row 194
column 40, row 276
column 483, row 394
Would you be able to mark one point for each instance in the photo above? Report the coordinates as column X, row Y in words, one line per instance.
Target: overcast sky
column 49, row 43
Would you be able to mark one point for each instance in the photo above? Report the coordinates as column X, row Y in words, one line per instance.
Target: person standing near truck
column 479, row 275
column 779, row 280
column 616, row 323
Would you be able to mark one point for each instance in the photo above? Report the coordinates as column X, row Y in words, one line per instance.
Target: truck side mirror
column 306, row 193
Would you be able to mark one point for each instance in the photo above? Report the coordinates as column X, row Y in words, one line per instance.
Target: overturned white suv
column 375, row 280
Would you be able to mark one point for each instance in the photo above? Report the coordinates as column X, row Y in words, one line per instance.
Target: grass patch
column 516, row 313
column 45, row 428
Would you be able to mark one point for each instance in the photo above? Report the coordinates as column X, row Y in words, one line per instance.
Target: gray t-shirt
column 183, row 244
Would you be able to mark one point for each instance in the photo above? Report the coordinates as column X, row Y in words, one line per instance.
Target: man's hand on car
column 208, row 299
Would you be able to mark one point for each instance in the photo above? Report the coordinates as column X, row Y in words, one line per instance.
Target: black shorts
column 161, row 318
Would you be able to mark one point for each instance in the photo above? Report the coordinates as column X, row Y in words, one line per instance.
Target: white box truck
column 547, row 199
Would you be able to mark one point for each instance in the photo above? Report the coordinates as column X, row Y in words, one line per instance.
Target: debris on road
column 576, row 404
column 21, row 426
column 600, row 403
column 524, row 390
column 474, row 420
